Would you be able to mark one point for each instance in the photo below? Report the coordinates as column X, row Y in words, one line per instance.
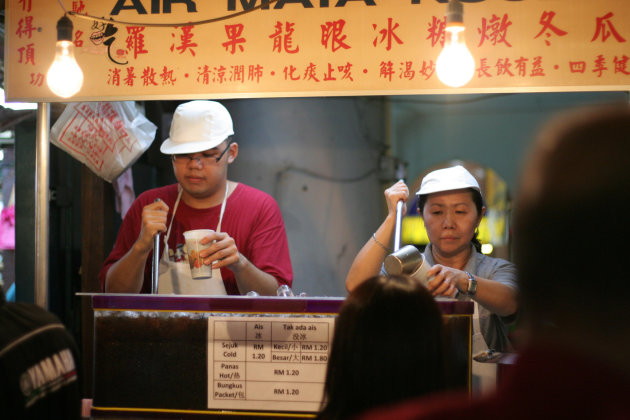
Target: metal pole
column 155, row 285
column 42, row 204
column 399, row 210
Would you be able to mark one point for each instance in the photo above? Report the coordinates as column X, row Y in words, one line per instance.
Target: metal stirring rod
column 156, row 261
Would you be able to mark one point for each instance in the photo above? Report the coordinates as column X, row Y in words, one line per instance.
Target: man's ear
column 233, row 153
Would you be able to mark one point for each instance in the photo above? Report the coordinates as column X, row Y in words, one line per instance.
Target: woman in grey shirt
column 451, row 205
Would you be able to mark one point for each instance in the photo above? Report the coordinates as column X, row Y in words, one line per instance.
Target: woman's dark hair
column 387, row 347
column 477, row 199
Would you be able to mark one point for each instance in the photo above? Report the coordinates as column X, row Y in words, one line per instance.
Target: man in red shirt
column 572, row 245
column 249, row 248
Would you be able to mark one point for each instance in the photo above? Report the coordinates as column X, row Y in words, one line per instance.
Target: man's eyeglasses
column 205, row 158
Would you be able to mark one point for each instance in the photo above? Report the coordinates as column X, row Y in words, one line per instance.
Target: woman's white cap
column 197, row 126
column 453, row 178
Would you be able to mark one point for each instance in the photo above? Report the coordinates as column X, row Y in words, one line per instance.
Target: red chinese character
column 345, row 70
column 289, row 73
column 621, row 64
column 25, row 4
column 407, row 71
column 577, row 66
column 600, row 65
column 238, row 73
column 285, row 40
column 332, row 31
column 185, row 41
column 328, row 76
column 135, row 40
column 27, row 54
column 494, row 30
column 167, row 76
column 234, row 33
column 130, row 77
column 436, row 31
column 427, row 69
column 37, row 79
column 537, row 69
column 547, row 27
column 386, row 70
column 219, row 74
column 113, row 77
column 78, row 42
column 310, row 72
column 483, row 68
column 600, row 29
column 387, row 34
column 255, row 73
column 503, row 67
column 203, row 74
column 521, row 66
column 25, row 27
column 78, row 6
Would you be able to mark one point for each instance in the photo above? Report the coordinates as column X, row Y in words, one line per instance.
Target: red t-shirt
column 252, row 218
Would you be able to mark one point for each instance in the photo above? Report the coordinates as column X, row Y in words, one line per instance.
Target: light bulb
column 455, row 65
column 64, row 77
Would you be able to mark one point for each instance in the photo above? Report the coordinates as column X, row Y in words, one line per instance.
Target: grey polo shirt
column 494, row 328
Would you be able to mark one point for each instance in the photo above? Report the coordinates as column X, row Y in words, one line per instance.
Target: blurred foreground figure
column 38, row 365
column 387, row 347
column 572, row 232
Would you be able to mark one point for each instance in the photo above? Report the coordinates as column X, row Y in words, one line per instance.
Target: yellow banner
column 314, row 47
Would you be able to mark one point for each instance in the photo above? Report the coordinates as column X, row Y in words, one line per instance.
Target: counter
column 228, row 356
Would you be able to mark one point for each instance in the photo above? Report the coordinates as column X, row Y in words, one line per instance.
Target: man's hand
column 222, row 253
column 153, row 221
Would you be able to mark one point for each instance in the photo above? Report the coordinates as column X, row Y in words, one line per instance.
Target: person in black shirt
column 39, row 361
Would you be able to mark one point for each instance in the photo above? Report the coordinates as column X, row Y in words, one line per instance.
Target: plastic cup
column 198, row 269
column 421, row 271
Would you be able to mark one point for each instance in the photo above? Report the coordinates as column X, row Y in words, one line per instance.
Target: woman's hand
column 446, row 281
column 394, row 194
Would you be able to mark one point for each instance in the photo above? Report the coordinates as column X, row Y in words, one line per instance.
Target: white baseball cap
column 197, row 126
column 453, row 178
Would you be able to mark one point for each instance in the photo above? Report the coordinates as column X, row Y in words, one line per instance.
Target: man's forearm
column 127, row 274
column 249, row 277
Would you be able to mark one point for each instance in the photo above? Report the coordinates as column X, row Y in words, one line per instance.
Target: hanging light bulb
column 64, row 77
column 455, row 65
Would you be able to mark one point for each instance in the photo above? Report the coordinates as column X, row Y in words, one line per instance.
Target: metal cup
column 404, row 261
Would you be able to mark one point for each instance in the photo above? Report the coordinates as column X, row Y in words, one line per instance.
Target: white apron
column 174, row 277
column 484, row 374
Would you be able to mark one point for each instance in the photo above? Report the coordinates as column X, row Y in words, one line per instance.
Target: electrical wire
column 313, row 174
column 164, row 25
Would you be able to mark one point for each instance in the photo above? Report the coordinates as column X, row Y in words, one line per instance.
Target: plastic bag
column 108, row 137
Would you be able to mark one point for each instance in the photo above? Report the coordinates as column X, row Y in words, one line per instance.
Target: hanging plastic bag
column 108, row 137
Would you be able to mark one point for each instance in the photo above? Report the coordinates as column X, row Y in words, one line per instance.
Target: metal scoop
column 403, row 260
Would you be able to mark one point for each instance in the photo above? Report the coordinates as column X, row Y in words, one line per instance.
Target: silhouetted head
column 387, row 347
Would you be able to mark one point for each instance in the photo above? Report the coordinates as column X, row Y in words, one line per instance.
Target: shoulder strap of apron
column 227, row 189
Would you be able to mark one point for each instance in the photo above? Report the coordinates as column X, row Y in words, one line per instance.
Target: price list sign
column 275, row 363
